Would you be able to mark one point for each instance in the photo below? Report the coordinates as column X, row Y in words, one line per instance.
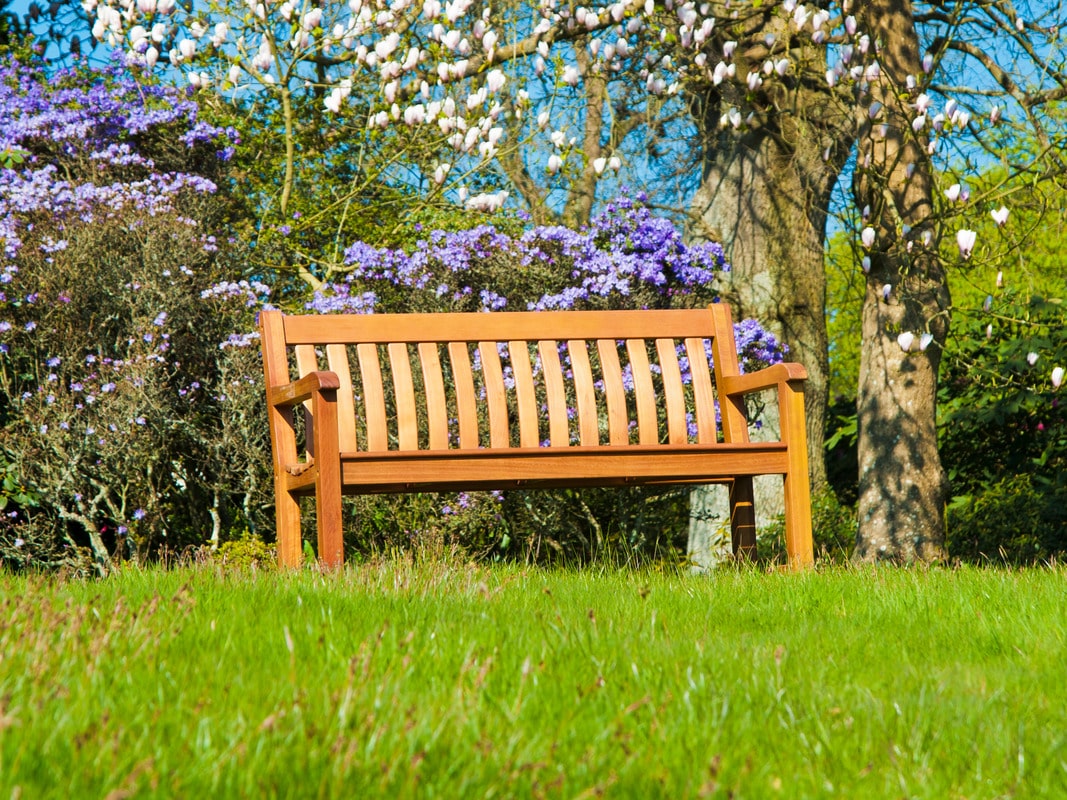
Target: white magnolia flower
column 965, row 239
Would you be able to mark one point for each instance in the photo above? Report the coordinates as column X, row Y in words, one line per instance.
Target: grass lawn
column 446, row 680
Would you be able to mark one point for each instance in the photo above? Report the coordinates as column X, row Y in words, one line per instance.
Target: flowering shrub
column 113, row 389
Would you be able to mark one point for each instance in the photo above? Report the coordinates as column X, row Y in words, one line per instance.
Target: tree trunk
column 902, row 488
column 765, row 196
column 772, row 224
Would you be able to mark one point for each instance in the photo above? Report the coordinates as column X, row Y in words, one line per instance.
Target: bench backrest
column 514, row 379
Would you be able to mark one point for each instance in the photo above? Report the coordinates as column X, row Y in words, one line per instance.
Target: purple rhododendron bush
column 131, row 398
column 122, row 418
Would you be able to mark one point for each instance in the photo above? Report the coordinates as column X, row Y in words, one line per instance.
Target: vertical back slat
column 673, row 391
column 647, row 431
column 306, row 363
column 525, row 395
column 495, row 394
column 724, row 355
column 370, row 373
column 337, row 360
column 466, row 400
column 614, row 391
column 407, row 420
column 703, row 393
column 558, row 430
column 588, row 427
column 436, row 408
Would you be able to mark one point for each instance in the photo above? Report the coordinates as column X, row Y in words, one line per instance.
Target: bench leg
column 798, row 543
column 328, row 484
column 743, row 519
column 287, row 513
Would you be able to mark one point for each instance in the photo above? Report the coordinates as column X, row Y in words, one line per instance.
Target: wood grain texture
column 436, row 401
column 370, row 373
column 614, row 392
column 496, row 396
column 466, row 399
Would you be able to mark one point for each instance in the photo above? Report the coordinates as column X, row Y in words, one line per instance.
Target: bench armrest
column 290, row 394
column 767, row 378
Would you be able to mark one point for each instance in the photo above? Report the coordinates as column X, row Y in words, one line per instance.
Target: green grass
column 447, row 680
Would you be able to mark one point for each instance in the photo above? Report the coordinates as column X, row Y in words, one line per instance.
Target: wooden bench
column 521, row 400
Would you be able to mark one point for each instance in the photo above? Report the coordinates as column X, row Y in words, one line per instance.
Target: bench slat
column 407, row 420
column 436, row 408
column 524, row 394
column 337, row 361
column 673, row 391
column 615, row 392
column 500, row 327
column 306, row 363
column 542, row 467
column 466, row 400
column 588, row 424
column 495, row 394
column 703, row 392
column 647, row 429
column 370, row 373
column 558, row 430
column 732, row 410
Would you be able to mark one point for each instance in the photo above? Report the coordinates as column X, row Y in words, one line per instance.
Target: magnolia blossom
column 953, row 192
column 555, row 164
column 965, row 239
column 571, row 75
column 906, row 340
column 487, row 202
column 1057, row 377
column 1031, row 358
column 1000, row 216
column 867, row 237
column 925, row 340
column 599, row 164
column 495, row 80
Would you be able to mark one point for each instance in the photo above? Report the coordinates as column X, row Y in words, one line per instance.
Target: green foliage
column 834, row 527
column 1018, row 520
column 247, row 551
column 1001, row 415
column 435, row 678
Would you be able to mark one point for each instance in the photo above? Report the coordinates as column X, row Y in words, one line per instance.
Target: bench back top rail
column 514, row 379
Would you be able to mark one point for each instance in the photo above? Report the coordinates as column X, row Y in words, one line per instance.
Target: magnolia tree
column 781, row 94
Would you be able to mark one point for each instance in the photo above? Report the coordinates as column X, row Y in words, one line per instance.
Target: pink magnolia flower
column 906, row 340
column 867, row 237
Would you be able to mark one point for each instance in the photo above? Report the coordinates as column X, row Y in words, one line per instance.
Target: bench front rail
column 442, row 402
